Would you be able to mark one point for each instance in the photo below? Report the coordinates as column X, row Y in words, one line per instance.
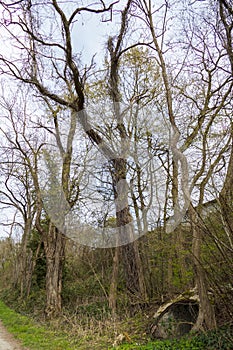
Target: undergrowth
column 92, row 327
column 221, row 339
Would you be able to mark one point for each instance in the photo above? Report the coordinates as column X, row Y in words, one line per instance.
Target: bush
column 221, row 339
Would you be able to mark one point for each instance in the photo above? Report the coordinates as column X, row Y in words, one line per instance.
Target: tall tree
column 225, row 31
column 205, row 63
column 68, row 73
column 19, row 151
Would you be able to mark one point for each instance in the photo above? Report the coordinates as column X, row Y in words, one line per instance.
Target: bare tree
column 203, row 63
column 23, row 139
column 224, row 30
column 17, row 192
column 65, row 69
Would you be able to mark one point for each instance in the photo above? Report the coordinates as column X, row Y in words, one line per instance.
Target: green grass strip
column 32, row 335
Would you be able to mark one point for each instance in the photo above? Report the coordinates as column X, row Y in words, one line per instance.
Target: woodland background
column 161, row 88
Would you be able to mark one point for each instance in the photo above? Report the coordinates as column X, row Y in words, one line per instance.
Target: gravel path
column 7, row 341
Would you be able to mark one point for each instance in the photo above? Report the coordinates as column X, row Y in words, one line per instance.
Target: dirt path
column 7, row 341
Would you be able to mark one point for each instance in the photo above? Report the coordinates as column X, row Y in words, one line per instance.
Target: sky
column 91, row 31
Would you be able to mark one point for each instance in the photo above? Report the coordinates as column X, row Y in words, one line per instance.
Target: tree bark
column 206, row 316
column 112, row 299
column 130, row 254
column 23, row 258
column 54, row 243
column 226, row 199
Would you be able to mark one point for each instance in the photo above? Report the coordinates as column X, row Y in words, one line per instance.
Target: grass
column 32, row 335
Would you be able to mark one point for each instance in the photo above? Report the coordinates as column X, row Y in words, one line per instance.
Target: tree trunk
column 31, row 267
column 126, row 236
column 112, row 299
column 130, row 269
column 226, row 199
column 54, row 243
column 206, row 316
column 23, row 258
